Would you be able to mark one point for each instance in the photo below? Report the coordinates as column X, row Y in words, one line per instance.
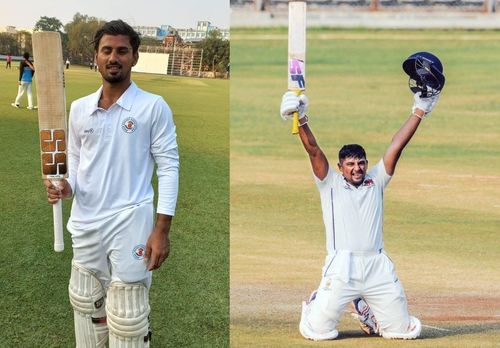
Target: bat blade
column 49, row 78
column 296, row 51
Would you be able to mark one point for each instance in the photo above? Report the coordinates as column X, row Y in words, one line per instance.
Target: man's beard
column 114, row 78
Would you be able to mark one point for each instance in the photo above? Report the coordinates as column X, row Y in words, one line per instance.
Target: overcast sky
column 177, row 13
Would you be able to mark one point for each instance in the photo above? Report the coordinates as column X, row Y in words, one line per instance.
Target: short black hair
column 118, row 27
column 351, row 150
column 26, row 55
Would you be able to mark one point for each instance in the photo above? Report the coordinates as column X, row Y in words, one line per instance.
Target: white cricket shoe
column 15, row 105
column 32, row 107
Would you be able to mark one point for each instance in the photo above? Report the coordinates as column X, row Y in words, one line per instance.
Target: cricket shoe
column 32, row 107
column 15, row 105
column 365, row 316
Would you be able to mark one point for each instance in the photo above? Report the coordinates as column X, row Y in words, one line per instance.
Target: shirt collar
column 125, row 101
column 367, row 182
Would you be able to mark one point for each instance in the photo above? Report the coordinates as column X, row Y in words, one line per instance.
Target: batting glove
column 291, row 102
column 424, row 104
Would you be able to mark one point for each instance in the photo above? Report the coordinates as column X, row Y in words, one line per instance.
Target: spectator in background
column 9, row 62
column 26, row 72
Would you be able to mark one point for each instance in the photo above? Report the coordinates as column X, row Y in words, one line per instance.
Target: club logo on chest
column 129, row 125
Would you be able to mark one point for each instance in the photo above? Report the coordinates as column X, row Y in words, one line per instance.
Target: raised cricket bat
column 296, row 52
column 49, row 77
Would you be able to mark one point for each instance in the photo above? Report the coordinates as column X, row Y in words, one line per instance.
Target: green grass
column 189, row 296
column 442, row 208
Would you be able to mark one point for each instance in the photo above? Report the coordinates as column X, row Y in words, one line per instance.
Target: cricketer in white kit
column 116, row 136
column 356, row 270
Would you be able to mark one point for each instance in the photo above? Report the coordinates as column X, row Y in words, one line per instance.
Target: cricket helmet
column 426, row 73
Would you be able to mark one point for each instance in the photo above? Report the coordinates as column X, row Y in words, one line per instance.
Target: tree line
column 77, row 37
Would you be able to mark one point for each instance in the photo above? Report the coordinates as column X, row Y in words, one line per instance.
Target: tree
column 81, row 33
column 52, row 24
column 48, row 24
column 215, row 52
column 9, row 44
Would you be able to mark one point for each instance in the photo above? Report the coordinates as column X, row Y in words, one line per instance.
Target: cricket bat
column 296, row 52
column 49, row 78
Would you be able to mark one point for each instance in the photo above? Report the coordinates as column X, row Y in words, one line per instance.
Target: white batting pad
column 128, row 315
column 87, row 296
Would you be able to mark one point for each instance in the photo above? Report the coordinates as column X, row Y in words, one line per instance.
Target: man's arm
column 158, row 244
column 291, row 103
column 165, row 153
column 21, row 69
column 399, row 141
column 421, row 108
column 319, row 162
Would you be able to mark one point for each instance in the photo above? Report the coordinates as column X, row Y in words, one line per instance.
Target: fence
column 379, row 5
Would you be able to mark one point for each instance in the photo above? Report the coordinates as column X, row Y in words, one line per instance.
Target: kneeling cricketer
column 357, row 270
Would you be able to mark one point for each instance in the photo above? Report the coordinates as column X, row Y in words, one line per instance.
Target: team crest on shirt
column 368, row 182
column 129, row 125
column 139, row 251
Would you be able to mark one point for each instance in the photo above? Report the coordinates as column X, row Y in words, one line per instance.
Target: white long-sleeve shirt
column 112, row 154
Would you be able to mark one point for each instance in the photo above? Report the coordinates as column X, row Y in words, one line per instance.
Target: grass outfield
column 189, row 297
column 442, row 208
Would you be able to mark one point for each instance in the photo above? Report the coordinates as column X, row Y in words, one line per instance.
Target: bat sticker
column 296, row 69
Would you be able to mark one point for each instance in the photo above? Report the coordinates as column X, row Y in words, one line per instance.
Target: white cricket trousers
column 25, row 87
column 371, row 276
column 114, row 249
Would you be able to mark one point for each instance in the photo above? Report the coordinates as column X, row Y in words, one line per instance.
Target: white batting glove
column 291, row 102
column 424, row 104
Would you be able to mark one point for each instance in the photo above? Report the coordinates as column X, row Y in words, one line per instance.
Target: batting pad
column 128, row 315
column 87, row 296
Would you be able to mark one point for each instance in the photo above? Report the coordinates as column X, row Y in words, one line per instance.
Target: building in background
column 201, row 32
column 169, row 34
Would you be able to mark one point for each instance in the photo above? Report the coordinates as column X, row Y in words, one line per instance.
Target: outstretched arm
column 399, row 141
column 421, row 108
column 319, row 162
column 292, row 103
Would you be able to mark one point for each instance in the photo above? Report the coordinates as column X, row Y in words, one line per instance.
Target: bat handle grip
column 58, row 223
column 295, row 120
column 295, row 123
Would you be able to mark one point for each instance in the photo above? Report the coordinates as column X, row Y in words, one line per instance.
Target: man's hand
column 158, row 245
column 291, row 102
column 424, row 104
column 54, row 194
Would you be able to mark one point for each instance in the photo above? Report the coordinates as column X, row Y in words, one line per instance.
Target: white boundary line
column 436, row 328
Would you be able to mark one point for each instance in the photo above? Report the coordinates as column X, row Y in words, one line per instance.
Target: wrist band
column 303, row 118
column 420, row 117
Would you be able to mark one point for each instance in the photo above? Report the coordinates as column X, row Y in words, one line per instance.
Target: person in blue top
column 26, row 72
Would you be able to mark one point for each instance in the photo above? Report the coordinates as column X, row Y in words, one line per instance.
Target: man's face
column 354, row 169
column 115, row 58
